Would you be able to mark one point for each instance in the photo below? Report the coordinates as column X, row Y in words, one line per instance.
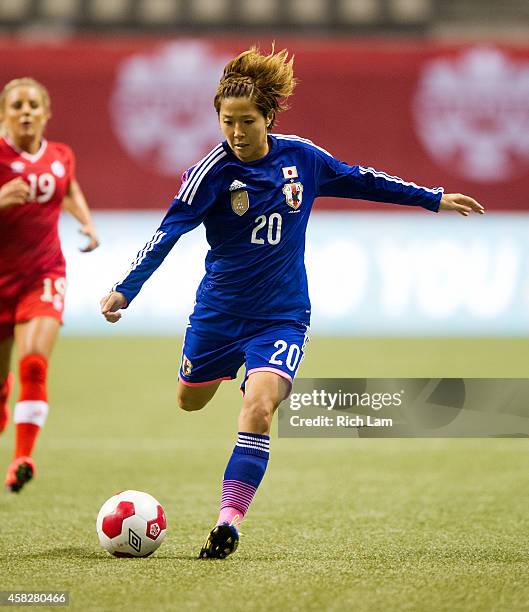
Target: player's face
column 24, row 115
column 244, row 127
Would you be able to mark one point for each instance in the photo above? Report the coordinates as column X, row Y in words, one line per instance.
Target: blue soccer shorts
column 216, row 345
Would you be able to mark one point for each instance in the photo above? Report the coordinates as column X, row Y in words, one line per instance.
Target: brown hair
column 267, row 80
column 25, row 82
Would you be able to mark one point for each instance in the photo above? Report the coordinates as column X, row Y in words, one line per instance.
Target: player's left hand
column 93, row 243
column 462, row 204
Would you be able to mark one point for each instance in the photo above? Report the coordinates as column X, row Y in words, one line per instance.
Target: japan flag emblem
column 290, row 172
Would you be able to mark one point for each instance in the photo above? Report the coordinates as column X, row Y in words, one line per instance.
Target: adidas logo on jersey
column 237, row 185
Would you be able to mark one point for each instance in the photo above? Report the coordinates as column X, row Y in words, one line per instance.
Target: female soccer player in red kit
column 37, row 178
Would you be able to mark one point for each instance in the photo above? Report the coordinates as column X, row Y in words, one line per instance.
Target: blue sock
column 244, row 472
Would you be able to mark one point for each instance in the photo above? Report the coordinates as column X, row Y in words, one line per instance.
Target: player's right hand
column 14, row 193
column 111, row 304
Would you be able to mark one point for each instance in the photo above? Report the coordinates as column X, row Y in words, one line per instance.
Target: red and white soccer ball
column 131, row 524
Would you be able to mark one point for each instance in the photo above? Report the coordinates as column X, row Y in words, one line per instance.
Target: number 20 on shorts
column 291, row 359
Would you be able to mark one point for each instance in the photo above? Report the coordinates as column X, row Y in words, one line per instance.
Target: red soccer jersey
column 29, row 236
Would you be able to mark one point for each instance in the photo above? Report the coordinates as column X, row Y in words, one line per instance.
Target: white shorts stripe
column 303, row 346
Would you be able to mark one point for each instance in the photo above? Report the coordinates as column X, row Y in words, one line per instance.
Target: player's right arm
column 111, row 304
column 182, row 217
column 177, row 222
column 14, row 193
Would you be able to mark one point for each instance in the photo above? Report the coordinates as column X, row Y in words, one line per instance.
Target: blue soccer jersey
column 255, row 215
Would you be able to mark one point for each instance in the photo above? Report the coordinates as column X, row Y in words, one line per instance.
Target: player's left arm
column 75, row 203
column 338, row 179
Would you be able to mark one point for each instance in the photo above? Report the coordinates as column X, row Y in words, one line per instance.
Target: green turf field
column 338, row 524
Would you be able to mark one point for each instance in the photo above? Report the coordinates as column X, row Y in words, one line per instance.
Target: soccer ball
column 131, row 524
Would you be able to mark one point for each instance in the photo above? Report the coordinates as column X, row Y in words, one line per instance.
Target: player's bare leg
column 37, row 336
column 6, row 380
column 191, row 398
column 264, row 391
column 34, row 341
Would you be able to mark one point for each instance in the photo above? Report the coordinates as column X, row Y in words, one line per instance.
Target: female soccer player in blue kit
column 254, row 193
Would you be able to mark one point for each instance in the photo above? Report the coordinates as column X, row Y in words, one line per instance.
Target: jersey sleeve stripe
column 196, row 168
column 202, row 174
column 186, row 187
column 299, row 139
column 148, row 247
column 396, row 179
column 158, row 235
column 141, row 253
column 182, row 187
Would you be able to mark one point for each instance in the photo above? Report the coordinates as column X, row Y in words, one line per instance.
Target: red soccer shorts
column 23, row 300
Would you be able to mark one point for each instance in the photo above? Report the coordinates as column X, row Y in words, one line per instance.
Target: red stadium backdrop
column 139, row 111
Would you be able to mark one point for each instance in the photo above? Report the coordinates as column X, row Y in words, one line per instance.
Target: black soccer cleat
column 19, row 473
column 222, row 541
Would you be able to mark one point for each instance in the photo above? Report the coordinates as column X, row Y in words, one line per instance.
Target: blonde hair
column 267, row 80
column 25, row 82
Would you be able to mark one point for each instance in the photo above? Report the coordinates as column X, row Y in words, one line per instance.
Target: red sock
column 32, row 372
column 5, row 390
column 32, row 407
column 25, row 438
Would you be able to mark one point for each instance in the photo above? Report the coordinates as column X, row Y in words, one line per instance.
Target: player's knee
column 188, row 405
column 185, row 401
column 260, row 409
